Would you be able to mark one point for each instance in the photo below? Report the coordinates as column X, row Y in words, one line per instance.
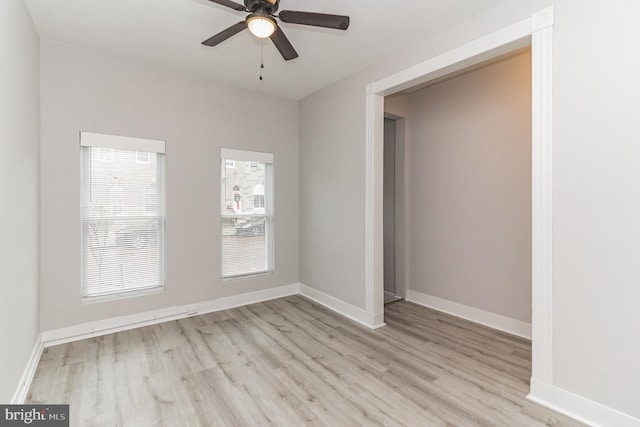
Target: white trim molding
column 541, row 193
column 22, row 391
column 536, row 31
column 345, row 309
column 88, row 139
column 483, row 49
column 578, row 407
column 374, row 240
column 123, row 323
column 476, row 315
column 542, row 19
column 245, row 155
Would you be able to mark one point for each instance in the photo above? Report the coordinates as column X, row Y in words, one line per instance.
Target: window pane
column 246, row 218
column 122, row 222
column 244, row 245
column 121, row 255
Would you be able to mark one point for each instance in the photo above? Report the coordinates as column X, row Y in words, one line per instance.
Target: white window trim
column 246, row 156
column 98, row 140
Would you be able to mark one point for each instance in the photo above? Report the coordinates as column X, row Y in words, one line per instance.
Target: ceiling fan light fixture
column 261, row 25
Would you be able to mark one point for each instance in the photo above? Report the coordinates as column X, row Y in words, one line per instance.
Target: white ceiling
column 168, row 33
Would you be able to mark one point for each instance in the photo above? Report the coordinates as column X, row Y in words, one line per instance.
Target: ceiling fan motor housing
column 268, row 6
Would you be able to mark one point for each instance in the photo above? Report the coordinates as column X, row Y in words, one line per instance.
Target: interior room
column 196, row 217
column 466, row 222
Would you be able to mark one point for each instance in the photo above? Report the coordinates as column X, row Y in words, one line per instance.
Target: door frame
column 537, row 32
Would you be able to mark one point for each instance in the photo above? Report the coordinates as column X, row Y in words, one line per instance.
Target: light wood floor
column 290, row 362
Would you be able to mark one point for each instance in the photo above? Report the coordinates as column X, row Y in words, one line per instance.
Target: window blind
column 123, row 219
column 246, row 212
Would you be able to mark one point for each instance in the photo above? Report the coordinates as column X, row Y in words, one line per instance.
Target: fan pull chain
column 261, row 57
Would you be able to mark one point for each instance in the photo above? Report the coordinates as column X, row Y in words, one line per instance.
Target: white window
column 247, row 227
column 123, row 216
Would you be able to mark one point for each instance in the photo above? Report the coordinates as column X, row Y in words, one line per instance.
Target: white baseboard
column 578, row 407
column 122, row 323
column 492, row 320
column 29, row 371
column 234, row 301
column 351, row 311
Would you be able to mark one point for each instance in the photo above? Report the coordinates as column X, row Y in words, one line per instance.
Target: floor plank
column 292, row 362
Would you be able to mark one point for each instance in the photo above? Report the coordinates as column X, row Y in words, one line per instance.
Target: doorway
column 536, row 31
column 469, row 169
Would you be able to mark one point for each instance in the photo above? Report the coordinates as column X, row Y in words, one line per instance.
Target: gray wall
column 332, row 193
column 469, row 188
column 19, row 192
column 86, row 91
column 595, row 186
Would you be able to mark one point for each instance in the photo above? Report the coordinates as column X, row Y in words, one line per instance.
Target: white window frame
column 111, row 142
column 228, row 155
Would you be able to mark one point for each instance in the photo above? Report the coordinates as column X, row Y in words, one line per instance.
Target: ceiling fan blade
column 225, row 34
column 338, row 22
column 229, row 3
column 284, row 46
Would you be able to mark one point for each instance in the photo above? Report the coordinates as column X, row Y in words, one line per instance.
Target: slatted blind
column 123, row 215
column 247, row 212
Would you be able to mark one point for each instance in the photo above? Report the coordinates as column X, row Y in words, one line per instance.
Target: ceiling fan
column 261, row 22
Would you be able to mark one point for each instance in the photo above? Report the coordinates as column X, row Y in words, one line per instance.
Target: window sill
column 247, row 276
column 122, row 295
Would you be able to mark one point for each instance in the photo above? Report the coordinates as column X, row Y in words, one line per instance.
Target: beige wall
column 469, row 188
column 596, row 182
column 19, row 192
column 86, row 91
column 397, row 104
